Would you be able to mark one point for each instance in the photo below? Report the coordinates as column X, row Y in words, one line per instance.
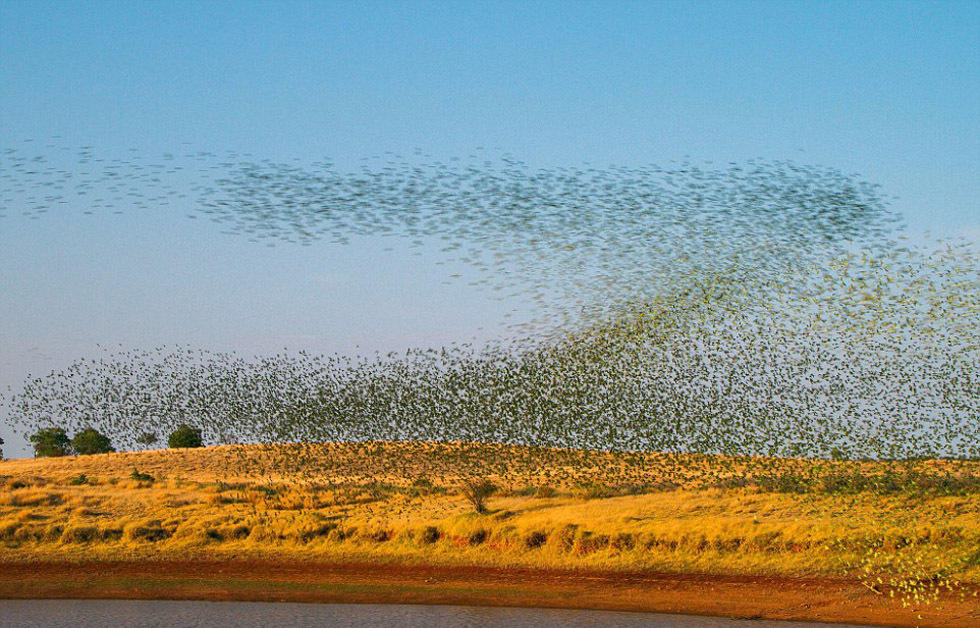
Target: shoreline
column 742, row 597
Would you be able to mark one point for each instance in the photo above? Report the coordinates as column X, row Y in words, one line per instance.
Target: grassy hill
column 912, row 524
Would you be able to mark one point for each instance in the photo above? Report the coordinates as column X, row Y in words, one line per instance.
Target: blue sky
column 890, row 90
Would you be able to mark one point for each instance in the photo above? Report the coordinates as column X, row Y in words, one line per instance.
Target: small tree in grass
column 185, row 436
column 477, row 491
column 91, row 441
column 50, row 442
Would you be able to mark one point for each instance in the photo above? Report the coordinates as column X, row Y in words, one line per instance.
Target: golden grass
column 399, row 502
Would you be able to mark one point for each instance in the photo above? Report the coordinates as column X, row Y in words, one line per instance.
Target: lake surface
column 189, row 614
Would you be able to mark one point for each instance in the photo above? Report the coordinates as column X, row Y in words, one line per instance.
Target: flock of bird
column 763, row 309
column 574, row 242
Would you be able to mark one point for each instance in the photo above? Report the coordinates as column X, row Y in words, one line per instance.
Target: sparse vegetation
column 366, row 500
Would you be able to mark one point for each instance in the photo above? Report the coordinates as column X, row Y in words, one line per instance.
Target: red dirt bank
column 821, row 600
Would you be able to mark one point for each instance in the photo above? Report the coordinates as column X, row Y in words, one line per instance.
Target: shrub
column 624, row 541
column 593, row 491
column 90, row 441
column 79, row 534
column 536, row 491
column 566, row 536
column 381, row 536
column 78, row 480
column 478, row 537
column 50, row 442
column 587, row 542
column 430, row 534
column 146, row 439
column 150, row 531
column 239, row 532
column 142, row 477
column 477, row 491
column 535, row 539
column 185, row 436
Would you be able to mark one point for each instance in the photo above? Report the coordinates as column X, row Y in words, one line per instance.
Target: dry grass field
column 913, row 526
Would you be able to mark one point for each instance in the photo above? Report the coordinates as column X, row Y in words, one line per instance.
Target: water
column 192, row 614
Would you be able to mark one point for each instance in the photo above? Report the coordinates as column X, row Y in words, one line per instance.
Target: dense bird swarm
column 572, row 240
column 757, row 309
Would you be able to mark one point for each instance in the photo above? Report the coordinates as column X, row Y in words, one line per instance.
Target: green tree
column 1, row 449
column 91, row 441
column 50, row 442
column 185, row 436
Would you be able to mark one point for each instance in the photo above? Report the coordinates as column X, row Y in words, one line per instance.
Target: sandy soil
column 825, row 600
